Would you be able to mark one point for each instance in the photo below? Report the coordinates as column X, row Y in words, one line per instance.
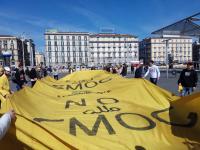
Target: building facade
column 39, row 58
column 66, row 48
column 196, row 54
column 113, row 49
column 12, row 50
column 154, row 48
column 85, row 49
column 30, row 56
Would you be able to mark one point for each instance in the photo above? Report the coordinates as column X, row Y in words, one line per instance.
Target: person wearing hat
column 4, row 82
column 188, row 79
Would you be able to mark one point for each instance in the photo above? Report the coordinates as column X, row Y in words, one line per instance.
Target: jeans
column 187, row 91
column 154, row 80
column 55, row 77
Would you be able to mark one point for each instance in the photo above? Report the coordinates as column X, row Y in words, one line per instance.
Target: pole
column 23, row 53
column 166, row 51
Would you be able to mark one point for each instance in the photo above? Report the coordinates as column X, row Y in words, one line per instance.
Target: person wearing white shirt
column 154, row 72
column 5, row 122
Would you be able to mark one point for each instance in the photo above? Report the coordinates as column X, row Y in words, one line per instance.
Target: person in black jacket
column 188, row 79
column 20, row 79
column 33, row 76
column 124, row 70
column 139, row 71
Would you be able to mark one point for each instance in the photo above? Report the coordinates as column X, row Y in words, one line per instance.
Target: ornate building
column 66, row 48
column 154, row 48
column 14, row 50
column 83, row 48
column 113, row 48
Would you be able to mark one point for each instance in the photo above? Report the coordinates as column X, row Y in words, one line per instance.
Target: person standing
column 33, row 76
column 139, row 71
column 124, row 70
column 20, row 77
column 4, row 82
column 55, row 73
column 188, row 79
column 132, row 69
column 154, row 72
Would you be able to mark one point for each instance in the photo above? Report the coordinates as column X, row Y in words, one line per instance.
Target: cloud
column 33, row 26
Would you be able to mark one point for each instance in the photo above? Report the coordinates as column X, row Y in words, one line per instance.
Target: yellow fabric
column 180, row 88
column 4, row 85
column 95, row 110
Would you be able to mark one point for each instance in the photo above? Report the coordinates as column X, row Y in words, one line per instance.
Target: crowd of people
column 187, row 81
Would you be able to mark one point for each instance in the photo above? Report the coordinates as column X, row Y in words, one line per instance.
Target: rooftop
column 111, row 35
column 1, row 35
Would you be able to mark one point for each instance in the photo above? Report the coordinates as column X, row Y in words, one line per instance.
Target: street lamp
column 23, row 53
column 23, row 57
column 166, row 54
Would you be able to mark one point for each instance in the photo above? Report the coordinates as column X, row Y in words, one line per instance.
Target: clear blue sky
column 138, row 17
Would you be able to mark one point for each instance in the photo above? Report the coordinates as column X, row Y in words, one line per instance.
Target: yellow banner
column 98, row 110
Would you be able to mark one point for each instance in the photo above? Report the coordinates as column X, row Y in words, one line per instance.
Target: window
column 55, row 37
column 114, row 54
column 68, row 59
column 11, row 45
column 49, row 43
column 73, row 43
column 62, row 43
column 63, row 58
column 5, row 44
column 68, row 49
column 73, row 38
column 119, row 54
column 85, row 43
column 68, row 43
column 67, row 37
column 85, row 38
column 79, row 38
column 80, row 60
column 49, row 37
column 61, row 37
column 68, row 54
column 74, row 54
column 62, row 48
column 56, row 57
column 79, row 43
column 79, row 48
column 49, row 48
column 56, row 48
column 55, row 43
column 74, row 60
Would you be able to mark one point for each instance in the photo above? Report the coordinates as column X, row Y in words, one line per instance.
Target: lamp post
column 166, row 54
column 23, row 53
column 23, row 57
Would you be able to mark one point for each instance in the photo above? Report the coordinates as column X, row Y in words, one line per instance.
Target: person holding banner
column 188, row 79
column 5, row 122
column 4, row 83
column 154, row 72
